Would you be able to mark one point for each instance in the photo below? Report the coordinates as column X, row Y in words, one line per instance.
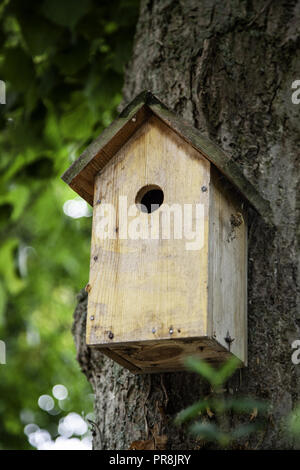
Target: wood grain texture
column 166, row 355
column 141, row 285
column 81, row 174
column 227, row 285
column 151, row 300
column 226, row 165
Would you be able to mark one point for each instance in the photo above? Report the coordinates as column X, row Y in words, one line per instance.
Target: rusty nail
column 228, row 340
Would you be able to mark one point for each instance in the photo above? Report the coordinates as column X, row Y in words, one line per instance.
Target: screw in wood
column 92, row 317
column 171, row 330
column 133, row 119
column 204, row 189
column 153, row 330
column 110, row 335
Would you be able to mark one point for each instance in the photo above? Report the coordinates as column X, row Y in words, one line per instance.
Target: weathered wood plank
column 167, row 355
column 227, row 282
column 140, row 289
column 81, row 175
column 218, row 158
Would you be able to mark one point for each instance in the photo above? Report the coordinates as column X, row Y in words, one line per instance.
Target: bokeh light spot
column 60, row 392
column 73, row 423
column 46, row 402
column 76, row 208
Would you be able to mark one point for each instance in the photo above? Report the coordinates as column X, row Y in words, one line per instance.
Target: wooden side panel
column 227, row 266
column 149, row 289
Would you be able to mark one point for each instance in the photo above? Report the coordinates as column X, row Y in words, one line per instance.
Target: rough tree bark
column 227, row 68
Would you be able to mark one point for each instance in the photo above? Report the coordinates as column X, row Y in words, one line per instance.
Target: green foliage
column 294, row 422
column 216, row 378
column 62, row 62
column 66, row 13
column 218, row 407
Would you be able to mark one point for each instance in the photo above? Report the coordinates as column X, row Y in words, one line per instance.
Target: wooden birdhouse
column 158, row 293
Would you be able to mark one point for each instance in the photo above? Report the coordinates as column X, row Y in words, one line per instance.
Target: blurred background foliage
column 63, row 64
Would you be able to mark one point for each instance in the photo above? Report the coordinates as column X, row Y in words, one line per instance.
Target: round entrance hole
column 149, row 198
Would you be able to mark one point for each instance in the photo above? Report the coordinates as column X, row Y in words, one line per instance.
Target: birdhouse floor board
column 166, row 355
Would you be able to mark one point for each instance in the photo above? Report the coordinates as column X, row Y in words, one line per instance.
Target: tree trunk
column 227, row 68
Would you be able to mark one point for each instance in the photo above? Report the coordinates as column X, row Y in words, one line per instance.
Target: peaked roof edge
column 80, row 175
column 108, row 133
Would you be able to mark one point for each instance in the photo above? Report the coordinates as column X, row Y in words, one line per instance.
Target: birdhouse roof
column 81, row 174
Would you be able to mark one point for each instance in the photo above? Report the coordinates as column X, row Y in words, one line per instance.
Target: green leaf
column 17, row 197
column 42, row 167
column 210, row 432
column 52, row 131
column 216, row 377
column 7, row 267
column 294, row 422
column 202, row 368
column 78, row 123
column 6, row 210
column 246, row 405
column 3, row 302
column 228, row 369
column 39, row 34
column 191, row 412
column 17, row 69
column 66, row 12
column 72, row 60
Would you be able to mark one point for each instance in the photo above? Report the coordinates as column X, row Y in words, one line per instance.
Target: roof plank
column 81, row 174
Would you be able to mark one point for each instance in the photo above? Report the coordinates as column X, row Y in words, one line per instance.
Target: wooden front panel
column 141, row 289
column 227, row 266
